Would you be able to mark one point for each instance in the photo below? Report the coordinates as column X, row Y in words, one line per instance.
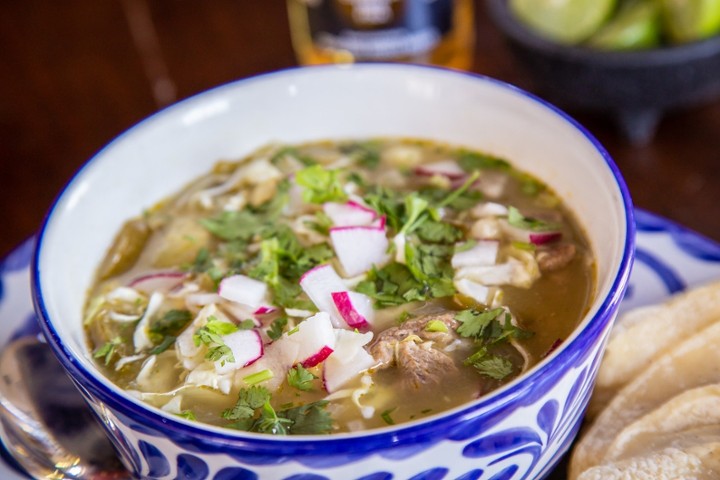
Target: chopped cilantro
column 241, row 225
column 458, row 193
column 516, row 219
column 249, row 400
column 211, row 335
column 415, row 207
column 108, row 350
column 202, row 262
column 465, row 200
column 187, row 415
column 276, row 328
column 471, row 161
column 247, row 324
column 490, row 365
column 312, row 418
column 386, row 416
column 320, row 185
column 474, row 322
column 299, row 377
column 439, row 232
column 253, row 412
column 171, row 323
column 321, row 224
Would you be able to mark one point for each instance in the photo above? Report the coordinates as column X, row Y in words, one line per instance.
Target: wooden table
column 76, row 73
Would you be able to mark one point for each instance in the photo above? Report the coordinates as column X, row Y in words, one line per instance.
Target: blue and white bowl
column 518, row 431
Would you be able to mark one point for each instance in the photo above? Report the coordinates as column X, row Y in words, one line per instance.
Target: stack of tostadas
column 655, row 411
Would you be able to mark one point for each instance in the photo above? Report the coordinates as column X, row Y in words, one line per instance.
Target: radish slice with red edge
column 244, row 290
column 158, row 281
column 315, row 337
column 349, row 214
column 359, row 248
column 528, row 236
column 355, row 308
column 445, row 168
column 265, row 310
column 541, row 238
column 348, row 360
column 483, row 253
column 318, row 283
column 246, row 347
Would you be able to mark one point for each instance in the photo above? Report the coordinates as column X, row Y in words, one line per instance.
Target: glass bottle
column 439, row 32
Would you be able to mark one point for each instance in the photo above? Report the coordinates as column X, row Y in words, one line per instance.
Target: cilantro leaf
column 471, row 161
column 276, row 328
column 241, row 225
column 187, row 414
column 386, row 416
column 107, row 350
column 516, row 219
column 211, row 335
column 494, row 367
column 171, row 323
column 312, row 418
column 439, row 232
column 320, row 185
column 249, row 400
column 270, row 422
column 300, row 378
column 474, row 322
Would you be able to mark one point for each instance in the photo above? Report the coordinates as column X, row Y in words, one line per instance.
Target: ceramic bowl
column 635, row 88
column 518, row 431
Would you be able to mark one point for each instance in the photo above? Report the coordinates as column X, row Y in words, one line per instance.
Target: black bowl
column 634, row 87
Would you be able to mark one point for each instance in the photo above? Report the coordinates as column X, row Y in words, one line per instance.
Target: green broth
column 443, row 335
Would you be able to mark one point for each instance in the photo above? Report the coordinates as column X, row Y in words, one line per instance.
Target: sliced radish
column 318, row 283
column 541, row 238
column 316, row 339
column 349, row 214
column 265, row 310
column 355, row 308
column 445, row 168
column 379, row 222
column 348, row 360
column 278, row 357
column 158, row 281
column 244, row 290
column 528, row 236
column 246, row 347
column 359, row 248
column 483, row 253
column 477, row 291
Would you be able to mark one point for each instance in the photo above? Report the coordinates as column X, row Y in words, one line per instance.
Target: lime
column 564, row 21
column 635, row 26
column 688, row 20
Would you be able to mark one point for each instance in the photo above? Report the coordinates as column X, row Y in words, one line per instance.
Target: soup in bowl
column 373, row 271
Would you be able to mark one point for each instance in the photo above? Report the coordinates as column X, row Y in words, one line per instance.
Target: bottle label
column 379, row 29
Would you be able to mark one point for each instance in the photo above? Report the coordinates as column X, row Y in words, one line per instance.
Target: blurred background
column 76, row 73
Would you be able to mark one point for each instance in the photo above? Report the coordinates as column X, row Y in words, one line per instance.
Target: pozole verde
column 338, row 286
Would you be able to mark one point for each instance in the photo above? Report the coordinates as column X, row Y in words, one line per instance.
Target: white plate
column 669, row 258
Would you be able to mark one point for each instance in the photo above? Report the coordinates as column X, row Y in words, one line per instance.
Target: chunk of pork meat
column 416, row 352
column 555, row 257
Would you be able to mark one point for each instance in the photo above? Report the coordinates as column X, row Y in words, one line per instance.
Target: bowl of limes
column 633, row 60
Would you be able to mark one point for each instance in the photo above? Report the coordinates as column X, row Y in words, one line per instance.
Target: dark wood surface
column 76, row 73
